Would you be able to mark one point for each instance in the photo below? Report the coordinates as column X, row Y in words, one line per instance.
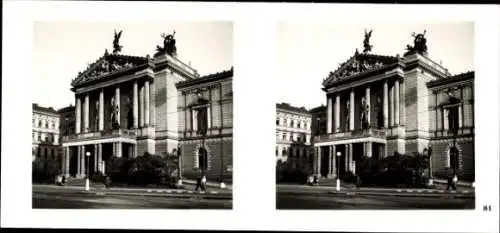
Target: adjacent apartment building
column 45, row 139
column 293, row 138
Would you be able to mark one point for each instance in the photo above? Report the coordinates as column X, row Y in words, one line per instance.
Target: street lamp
column 429, row 152
column 87, row 181
column 338, row 170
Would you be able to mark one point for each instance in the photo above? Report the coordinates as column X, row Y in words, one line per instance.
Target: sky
column 308, row 52
column 63, row 48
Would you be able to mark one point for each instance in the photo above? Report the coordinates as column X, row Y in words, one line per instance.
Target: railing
column 112, row 133
column 352, row 134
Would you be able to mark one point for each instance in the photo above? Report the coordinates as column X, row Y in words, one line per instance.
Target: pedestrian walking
column 452, row 183
column 199, row 182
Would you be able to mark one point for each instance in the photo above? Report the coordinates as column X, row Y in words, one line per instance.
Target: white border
column 254, row 115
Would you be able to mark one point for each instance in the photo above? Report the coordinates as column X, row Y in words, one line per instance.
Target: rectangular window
column 277, row 121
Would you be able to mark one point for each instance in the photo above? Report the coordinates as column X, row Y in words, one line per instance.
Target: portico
column 114, row 113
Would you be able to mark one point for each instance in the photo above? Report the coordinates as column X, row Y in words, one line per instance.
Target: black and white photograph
column 384, row 118
column 342, row 118
column 132, row 115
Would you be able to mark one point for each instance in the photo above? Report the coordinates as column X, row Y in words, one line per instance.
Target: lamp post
column 87, row 181
column 429, row 152
column 338, row 170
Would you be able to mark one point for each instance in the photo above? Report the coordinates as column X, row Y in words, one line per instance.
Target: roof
column 69, row 108
column 318, row 109
column 36, row 107
column 207, row 78
column 360, row 63
column 106, row 65
column 287, row 106
column 451, row 79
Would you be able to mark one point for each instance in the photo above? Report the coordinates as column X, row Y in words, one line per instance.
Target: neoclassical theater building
column 378, row 105
column 128, row 105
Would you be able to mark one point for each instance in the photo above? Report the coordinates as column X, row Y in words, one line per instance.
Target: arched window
column 202, row 159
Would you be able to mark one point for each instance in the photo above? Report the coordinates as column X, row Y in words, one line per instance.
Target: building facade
column 378, row 105
column 45, row 139
column 67, row 121
column 126, row 106
column 205, row 116
column 293, row 138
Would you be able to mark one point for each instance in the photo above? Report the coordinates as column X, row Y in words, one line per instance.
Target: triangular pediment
column 107, row 65
column 357, row 64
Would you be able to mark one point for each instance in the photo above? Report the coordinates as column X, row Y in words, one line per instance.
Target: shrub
column 396, row 170
column 98, row 177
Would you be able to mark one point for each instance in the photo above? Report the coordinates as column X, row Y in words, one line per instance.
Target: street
column 72, row 198
column 322, row 198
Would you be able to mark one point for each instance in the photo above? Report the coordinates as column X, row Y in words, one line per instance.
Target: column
column 460, row 119
column 194, row 121
column 337, row 113
column 141, row 106
column 78, row 116
column 351, row 111
column 152, row 106
column 66, row 160
column 329, row 115
column 368, row 149
column 99, row 158
column 78, row 160
column 346, row 157
column 391, row 106
column 86, row 114
column 209, row 117
column 445, row 119
column 368, row 116
column 146, row 103
column 117, row 102
column 82, row 161
column 117, row 149
column 386, row 106
column 396, row 103
column 334, row 161
column 402, row 108
column 135, row 105
column 96, row 162
column 350, row 158
column 331, row 161
column 315, row 162
column 318, row 160
column 101, row 110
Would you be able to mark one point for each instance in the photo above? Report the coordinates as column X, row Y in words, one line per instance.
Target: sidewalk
column 348, row 188
column 209, row 184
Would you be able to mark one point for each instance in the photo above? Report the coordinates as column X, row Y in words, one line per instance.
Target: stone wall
column 216, row 148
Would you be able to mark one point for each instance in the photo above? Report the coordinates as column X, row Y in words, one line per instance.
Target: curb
column 347, row 192
column 206, row 196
